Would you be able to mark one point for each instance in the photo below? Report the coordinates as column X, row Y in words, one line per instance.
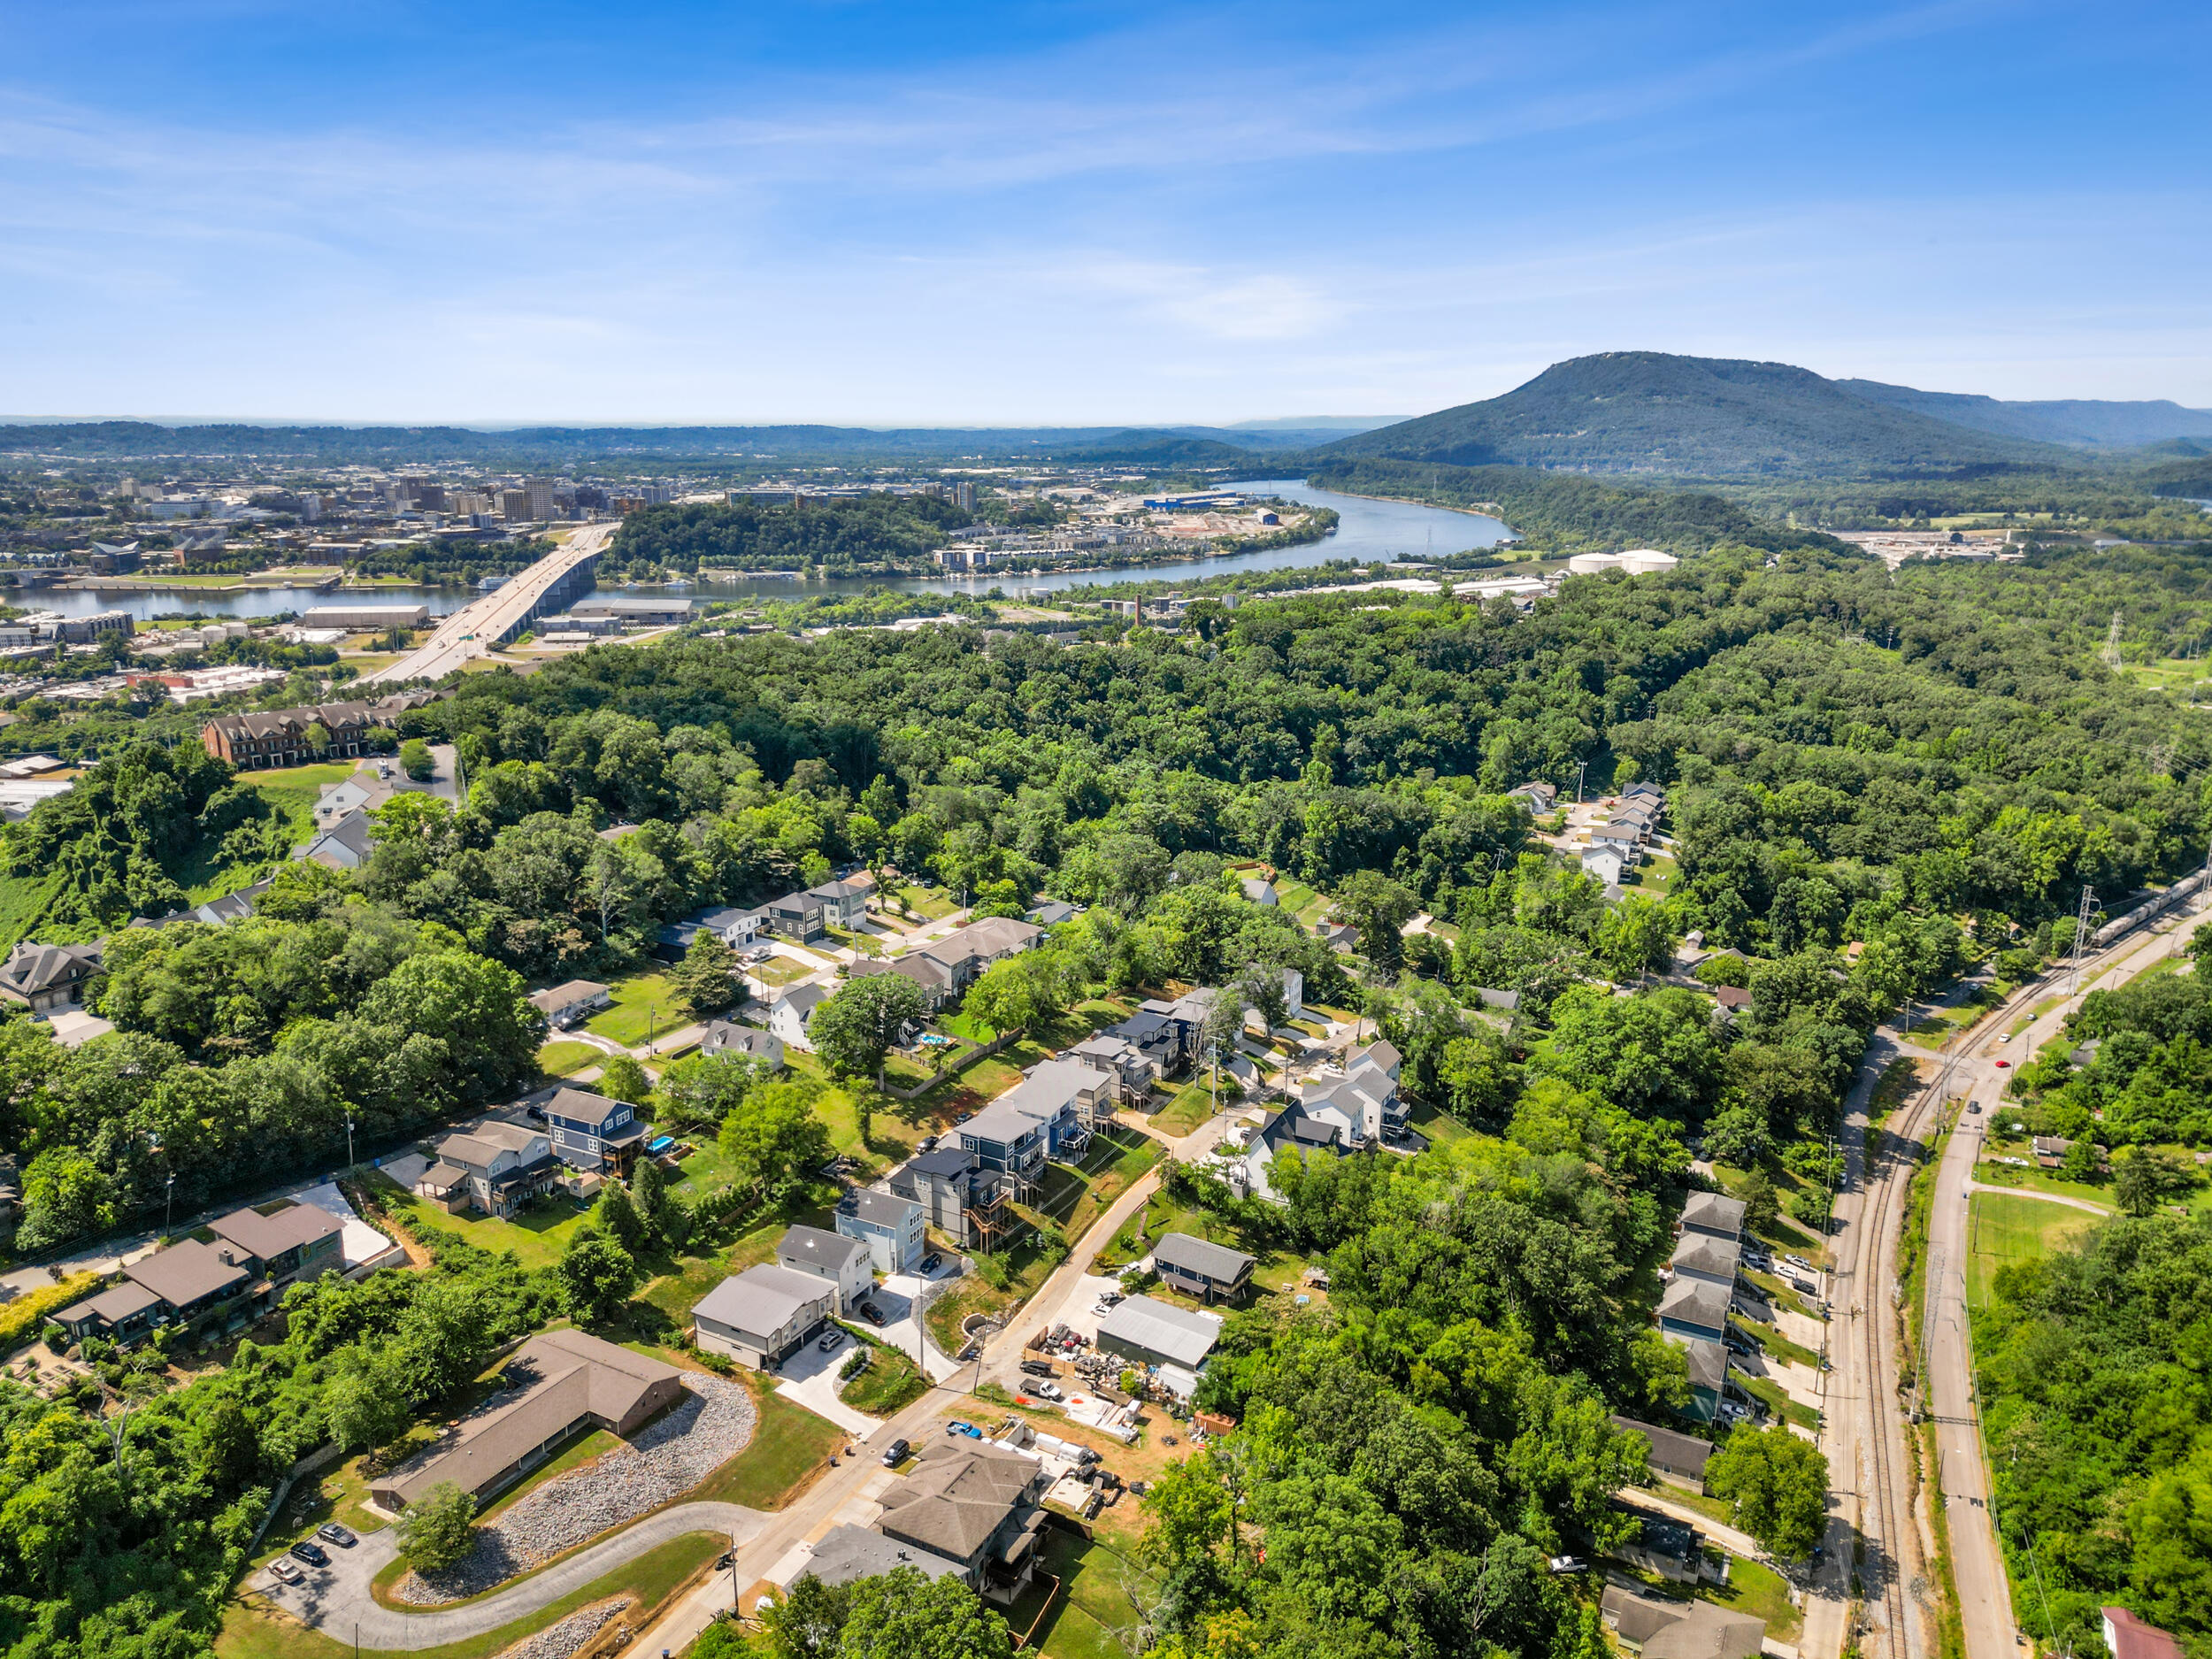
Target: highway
column 1867, row 1436
column 477, row 629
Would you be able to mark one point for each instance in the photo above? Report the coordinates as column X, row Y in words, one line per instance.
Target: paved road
column 474, row 629
column 336, row 1599
column 1977, row 1562
column 1865, row 1431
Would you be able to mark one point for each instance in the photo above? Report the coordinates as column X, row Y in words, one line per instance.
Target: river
column 1367, row 531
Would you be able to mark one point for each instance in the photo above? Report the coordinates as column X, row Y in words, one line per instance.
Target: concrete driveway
column 810, row 1377
column 899, row 1296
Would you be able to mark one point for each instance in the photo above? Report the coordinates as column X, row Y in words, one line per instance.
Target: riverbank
column 254, row 581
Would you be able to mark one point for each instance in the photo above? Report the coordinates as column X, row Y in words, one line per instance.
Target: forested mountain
column 1651, row 411
column 2073, row 420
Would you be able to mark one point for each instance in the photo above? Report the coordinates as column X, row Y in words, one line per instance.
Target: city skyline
column 990, row 215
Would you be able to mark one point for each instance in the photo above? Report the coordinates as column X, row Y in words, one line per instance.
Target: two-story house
column 958, row 1195
column 845, row 1264
column 975, row 1504
column 188, row 1283
column 1008, row 1140
column 788, row 1016
column 1133, row 1070
column 892, row 1228
column 497, row 1168
column 298, row 1241
column 47, row 979
column 1201, row 1268
column 592, row 1132
column 798, row 916
column 746, row 1042
column 763, row 1315
column 844, row 903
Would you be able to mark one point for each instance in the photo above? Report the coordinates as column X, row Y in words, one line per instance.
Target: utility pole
column 1580, row 770
column 169, row 1215
column 2081, row 939
column 350, row 1140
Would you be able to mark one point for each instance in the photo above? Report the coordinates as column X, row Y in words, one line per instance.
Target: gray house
column 1694, row 1307
column 846, row 1264
column 1715, row 1214
column 1201, row 1268
column 763, row 1314
column 892, row 1228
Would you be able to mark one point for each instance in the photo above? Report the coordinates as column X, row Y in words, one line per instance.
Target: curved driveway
column 337, row 1601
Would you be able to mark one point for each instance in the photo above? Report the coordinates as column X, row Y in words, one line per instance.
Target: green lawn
column 565, row 1057
column 644, row 1007
column 1440, row 1127
column 790, row 1446
column 1191, row 1106
column 932, row 904
column 1097, row 1613
column 252, row 1629
column 1114, row 1161
column 891, row 1383
column 2002, row 1228
column 2042, row 1180
column 778, row 972
column 314, row 778
column 1770, row 1338
column 1778, row 1401
column 536, row 1236
column 1758, row 1590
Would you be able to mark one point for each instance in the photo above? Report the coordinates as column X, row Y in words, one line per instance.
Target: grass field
column 1097, row 1614
column 565, row 1056
column 1191, row 1106
column 252, row 1629
column 2041, row 1180
column 536, row 1236
column 1777, row 1401
column 891, row 1383
column 1759, row 1591
column 790, row 1446
column 644, row 1007
column 2002, row 1228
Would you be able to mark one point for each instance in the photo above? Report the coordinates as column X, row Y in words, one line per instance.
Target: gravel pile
column 559, row 1641
column 669, row 1457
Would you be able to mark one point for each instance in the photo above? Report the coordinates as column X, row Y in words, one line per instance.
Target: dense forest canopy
column 837, row 533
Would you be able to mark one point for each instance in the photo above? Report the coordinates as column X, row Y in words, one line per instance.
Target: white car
column 285, row 1570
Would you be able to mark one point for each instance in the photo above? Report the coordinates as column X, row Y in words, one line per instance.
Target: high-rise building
column 311, row 507
column 515, row 504
column 964, row 495
column 540, row 492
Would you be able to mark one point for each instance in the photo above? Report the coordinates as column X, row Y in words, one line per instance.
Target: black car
column 342, row 1536
column 313, row 1554
column 932, row 1263
column 872, row 1314
column 895, row 1453
column 1038, row 1367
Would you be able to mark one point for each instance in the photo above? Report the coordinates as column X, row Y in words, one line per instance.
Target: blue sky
column 1015, row 213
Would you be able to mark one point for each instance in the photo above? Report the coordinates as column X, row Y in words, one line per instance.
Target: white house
column 1604, row 863
column 788, row 1019
column 846, row 1264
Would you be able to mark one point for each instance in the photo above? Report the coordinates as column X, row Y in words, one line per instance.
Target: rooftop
column 1160, row 1327
column 1217, row 1261
column 762, row 1299
column 265, row 1236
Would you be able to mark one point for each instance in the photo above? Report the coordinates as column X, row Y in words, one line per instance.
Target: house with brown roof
column 297, row 1241
column 281, row 737
column 47, row 978
column 1653, row 1629
column 558, row 1382
column 975, row 1504
column 186, row 1284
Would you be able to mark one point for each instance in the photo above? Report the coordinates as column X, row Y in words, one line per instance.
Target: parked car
column 895, row 1453
column 1110, row 1297
column 927, row 1143
column 830, row 1339
column 1038, row 1367
column 969, row 1429
column 1975, row 1107
column 932, row 1262
column 340, row 1535
column 285, row 1570
column 872, row 1314
column 314, row 1554
column 1798, row 1261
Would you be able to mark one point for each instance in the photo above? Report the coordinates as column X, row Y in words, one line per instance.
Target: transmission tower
column 2112, row 642
column 2081, row 940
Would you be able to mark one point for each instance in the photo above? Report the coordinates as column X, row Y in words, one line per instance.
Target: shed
column 1155, row 1332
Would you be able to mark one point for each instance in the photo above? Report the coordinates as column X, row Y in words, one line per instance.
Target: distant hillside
column 2069, row 421
column 1139, row 447
column 130, row 439
column 1706, row 417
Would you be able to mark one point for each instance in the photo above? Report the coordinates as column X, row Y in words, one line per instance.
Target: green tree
column 903, row 1615
column 773, row 1137
column 706, row 977
column 364, row 1407
column 435, row 1531
column 2139, row 1179
column 616, row 1214
column 1380, row 908
column 66, row 1195
column 702, row 1089
column 1020, row 992
column 416, row 760
column 1762, row 1208
column 623, row 1078
column 1636, row 937
column 859, row 1025
column 1778, row 1482
column 809, row 1619
column 2079, row 1162
column 648, row 1194
column 596, row 1276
